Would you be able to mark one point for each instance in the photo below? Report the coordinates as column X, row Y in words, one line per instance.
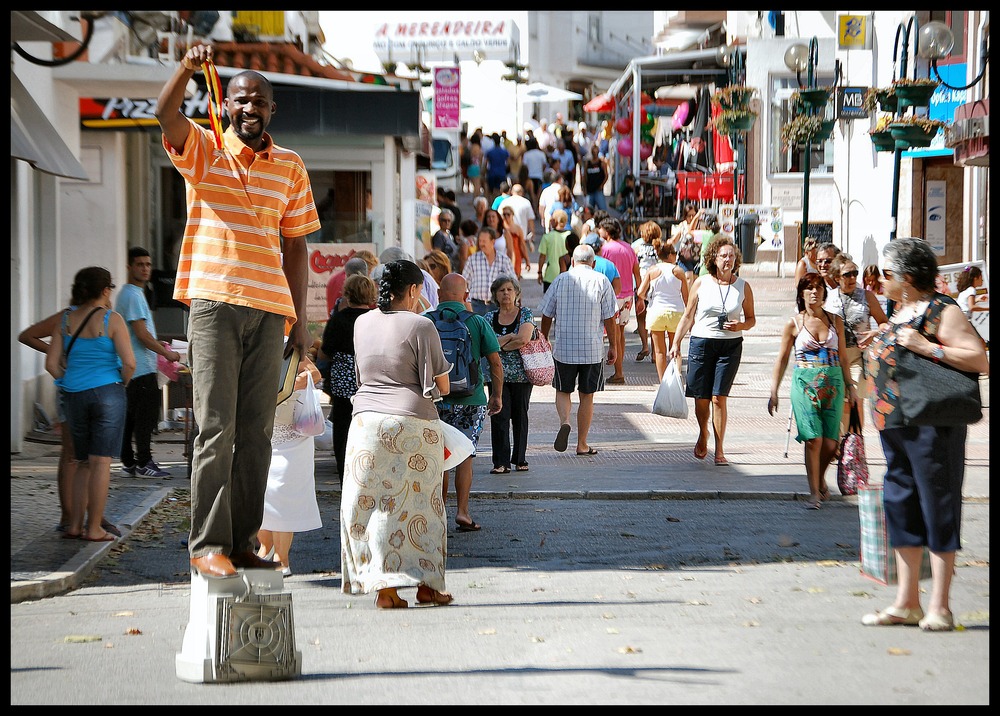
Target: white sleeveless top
column 714, row 300
column 664, row 292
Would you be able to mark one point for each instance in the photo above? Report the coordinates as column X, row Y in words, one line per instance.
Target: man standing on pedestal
column 243, row 271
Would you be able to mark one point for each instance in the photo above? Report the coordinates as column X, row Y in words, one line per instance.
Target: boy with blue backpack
column 466, row 406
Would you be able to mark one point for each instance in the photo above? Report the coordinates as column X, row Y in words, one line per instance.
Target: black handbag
column 932, row 393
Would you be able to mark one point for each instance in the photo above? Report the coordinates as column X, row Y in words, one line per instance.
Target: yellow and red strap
column 214, row 100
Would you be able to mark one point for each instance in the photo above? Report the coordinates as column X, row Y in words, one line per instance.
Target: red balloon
column 645, row 150
column 625, row 146
column 624, row 125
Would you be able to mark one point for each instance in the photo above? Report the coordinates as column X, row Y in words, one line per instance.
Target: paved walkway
column 641, row 455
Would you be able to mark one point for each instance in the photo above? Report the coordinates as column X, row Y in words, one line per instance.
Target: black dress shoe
column 250, row 560
column 214, row 565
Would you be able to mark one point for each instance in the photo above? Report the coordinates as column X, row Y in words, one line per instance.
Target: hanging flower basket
column 734, row 97
column 812, row 98
column 730, row 121
column 882, row 97
column 806, row 129
column 915, row 133
column 883, row 141
column 914, row 93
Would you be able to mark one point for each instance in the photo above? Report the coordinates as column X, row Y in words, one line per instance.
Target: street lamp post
column 798, row 57
column 902, row 31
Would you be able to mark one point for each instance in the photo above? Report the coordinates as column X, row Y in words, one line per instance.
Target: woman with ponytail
column 393, row 532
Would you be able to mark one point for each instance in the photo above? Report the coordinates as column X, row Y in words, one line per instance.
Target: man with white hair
column 579, row 300
column 429, row 293
column 542, row 135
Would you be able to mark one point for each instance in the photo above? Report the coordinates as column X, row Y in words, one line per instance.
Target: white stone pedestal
column 240, row 629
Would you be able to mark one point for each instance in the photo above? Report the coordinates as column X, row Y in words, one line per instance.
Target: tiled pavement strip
column 641, row 455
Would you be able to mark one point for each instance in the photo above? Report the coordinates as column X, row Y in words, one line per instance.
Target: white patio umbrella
column 540, row 92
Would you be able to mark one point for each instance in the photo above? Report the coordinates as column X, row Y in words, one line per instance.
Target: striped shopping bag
column 878, row 562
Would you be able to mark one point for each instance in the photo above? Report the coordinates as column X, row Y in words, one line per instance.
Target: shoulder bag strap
column 80, row 328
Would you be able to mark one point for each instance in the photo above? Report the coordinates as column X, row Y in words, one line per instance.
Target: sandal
column 436, row 598
column 500, row 471
column 522, row 468
column 892, row 616
column 937, row 622
column 641, row 356
column 396, row 602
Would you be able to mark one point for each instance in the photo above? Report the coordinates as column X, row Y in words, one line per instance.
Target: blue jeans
column 96, row 417
column 235, row 354
column 596, row 200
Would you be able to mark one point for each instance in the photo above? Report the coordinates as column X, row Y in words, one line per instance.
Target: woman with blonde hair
column 664, row 288
column 807, row 264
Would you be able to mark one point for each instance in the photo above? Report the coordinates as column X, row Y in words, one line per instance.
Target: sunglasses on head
column 850, row 274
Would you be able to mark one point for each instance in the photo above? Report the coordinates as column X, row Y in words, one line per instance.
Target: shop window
column 791, row 160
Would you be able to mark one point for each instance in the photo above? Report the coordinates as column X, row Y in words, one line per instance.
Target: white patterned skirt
column 392, row 517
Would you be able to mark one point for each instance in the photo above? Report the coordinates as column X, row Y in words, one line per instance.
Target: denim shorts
column 97, row 420
column 712, row 366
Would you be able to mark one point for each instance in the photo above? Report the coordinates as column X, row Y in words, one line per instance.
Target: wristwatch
column 937, row 353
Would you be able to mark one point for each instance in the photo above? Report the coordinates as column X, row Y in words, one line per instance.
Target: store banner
column 325, row 262
column 447, row 97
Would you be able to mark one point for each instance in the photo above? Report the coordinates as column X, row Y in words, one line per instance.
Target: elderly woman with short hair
column 925, row 464
column 514, row 326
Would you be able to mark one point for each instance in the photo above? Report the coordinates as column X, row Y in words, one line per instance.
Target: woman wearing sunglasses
column 857, row 306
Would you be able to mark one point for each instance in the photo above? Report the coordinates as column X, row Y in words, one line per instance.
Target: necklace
column 725, row 311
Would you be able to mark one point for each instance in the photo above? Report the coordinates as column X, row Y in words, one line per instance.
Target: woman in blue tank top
column 91, row 358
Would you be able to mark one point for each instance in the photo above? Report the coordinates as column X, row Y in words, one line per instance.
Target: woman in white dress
column 290, row 500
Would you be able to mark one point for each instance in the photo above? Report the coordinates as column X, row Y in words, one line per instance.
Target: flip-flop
column 703, row 455
column 641, row 356
column 108, row 537
column 470, row 527
column 521, row 468
column 592, row 451
column 562, row 439
column 721, row 463
column 500, row 471
column 812, row 505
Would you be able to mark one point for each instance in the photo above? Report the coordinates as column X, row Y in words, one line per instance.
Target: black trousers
column 512, row 418
column 141, row 412
column 341, row 410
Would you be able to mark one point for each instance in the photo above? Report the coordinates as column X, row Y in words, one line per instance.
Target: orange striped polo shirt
column 239, row 205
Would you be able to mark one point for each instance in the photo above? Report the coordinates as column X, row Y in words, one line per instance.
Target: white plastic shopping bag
column 307, row 414
column 457, row 447
column 324, row 442
column 670, row 401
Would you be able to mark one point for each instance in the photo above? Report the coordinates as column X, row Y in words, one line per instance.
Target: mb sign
column 850, row 103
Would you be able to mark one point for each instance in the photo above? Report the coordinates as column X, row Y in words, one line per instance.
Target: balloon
column 681, row 116
column 624, row 146
column 645, row 150
column 624, row 125
column 648, row 120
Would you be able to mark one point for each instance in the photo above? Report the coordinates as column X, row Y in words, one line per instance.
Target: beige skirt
column 393, row 530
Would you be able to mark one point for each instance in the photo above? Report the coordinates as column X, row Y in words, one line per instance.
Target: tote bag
column 536, row 355
column 852, row 466
column 878, row 562
column 670, row 401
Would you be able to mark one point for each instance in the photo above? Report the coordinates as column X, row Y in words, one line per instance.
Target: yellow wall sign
column 854, row 32
column 262, row 23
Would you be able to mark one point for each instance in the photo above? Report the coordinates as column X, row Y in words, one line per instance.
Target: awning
column 540, row 92
column 34, row 139
column 600, row 103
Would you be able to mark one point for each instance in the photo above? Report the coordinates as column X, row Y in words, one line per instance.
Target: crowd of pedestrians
column 384, row 364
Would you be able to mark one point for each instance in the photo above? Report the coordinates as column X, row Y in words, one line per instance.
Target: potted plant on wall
column 735, row 114
column 806, row 129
